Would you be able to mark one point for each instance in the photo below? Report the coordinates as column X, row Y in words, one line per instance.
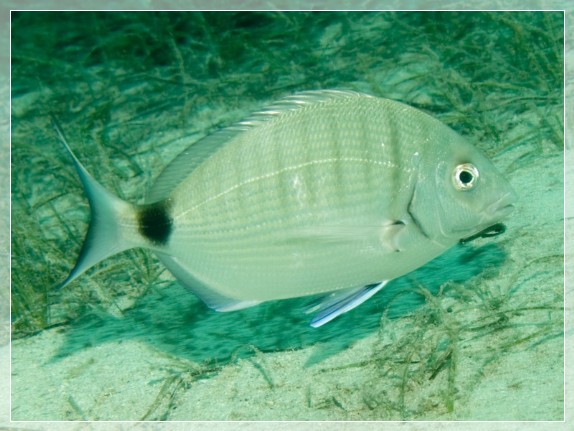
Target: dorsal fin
column 185, row 163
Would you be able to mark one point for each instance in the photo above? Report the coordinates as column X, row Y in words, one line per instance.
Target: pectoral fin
column 389, row 234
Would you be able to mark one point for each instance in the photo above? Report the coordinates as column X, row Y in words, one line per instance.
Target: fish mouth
column 497, row 211
column 494, row 213
column 500, row 208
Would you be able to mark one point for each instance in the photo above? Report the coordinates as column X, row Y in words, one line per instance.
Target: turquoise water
column 132, row 90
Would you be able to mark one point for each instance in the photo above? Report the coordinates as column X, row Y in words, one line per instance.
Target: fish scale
column 331, row 192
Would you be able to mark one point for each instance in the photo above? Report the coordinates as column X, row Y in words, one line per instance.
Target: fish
column 331, row 193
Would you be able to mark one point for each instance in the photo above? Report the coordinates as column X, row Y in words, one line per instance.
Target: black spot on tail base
column 155, row 222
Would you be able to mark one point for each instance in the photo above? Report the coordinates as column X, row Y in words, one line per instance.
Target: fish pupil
column 155, row 222
column 465, row 177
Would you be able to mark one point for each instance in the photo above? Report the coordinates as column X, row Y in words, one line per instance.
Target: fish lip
column 498, row 210
column 502, row 207
column 505, row 210
column 494, row 213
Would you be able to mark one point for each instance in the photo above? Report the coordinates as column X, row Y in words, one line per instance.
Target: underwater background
column 476, row 334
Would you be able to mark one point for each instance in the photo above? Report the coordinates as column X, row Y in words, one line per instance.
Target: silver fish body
column 324, row 191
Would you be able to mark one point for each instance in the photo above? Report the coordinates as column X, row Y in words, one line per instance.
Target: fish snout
column 502, row 207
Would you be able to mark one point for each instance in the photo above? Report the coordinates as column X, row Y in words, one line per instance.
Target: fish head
column 459, row 193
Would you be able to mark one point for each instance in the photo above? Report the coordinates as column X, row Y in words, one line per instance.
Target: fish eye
column 465, row 177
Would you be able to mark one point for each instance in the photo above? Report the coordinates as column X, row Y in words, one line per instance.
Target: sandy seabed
column 490, row 347
column 127, row 379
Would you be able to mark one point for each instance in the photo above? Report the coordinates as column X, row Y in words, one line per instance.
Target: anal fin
column 212, row 298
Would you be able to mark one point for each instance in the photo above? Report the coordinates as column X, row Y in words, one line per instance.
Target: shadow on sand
column 176, row 322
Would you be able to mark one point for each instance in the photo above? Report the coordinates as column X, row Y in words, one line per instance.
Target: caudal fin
column 106, row 233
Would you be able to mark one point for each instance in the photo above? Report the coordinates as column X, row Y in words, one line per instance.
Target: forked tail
column 109, row 231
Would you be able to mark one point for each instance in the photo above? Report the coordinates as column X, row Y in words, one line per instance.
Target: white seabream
column 329, row 191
